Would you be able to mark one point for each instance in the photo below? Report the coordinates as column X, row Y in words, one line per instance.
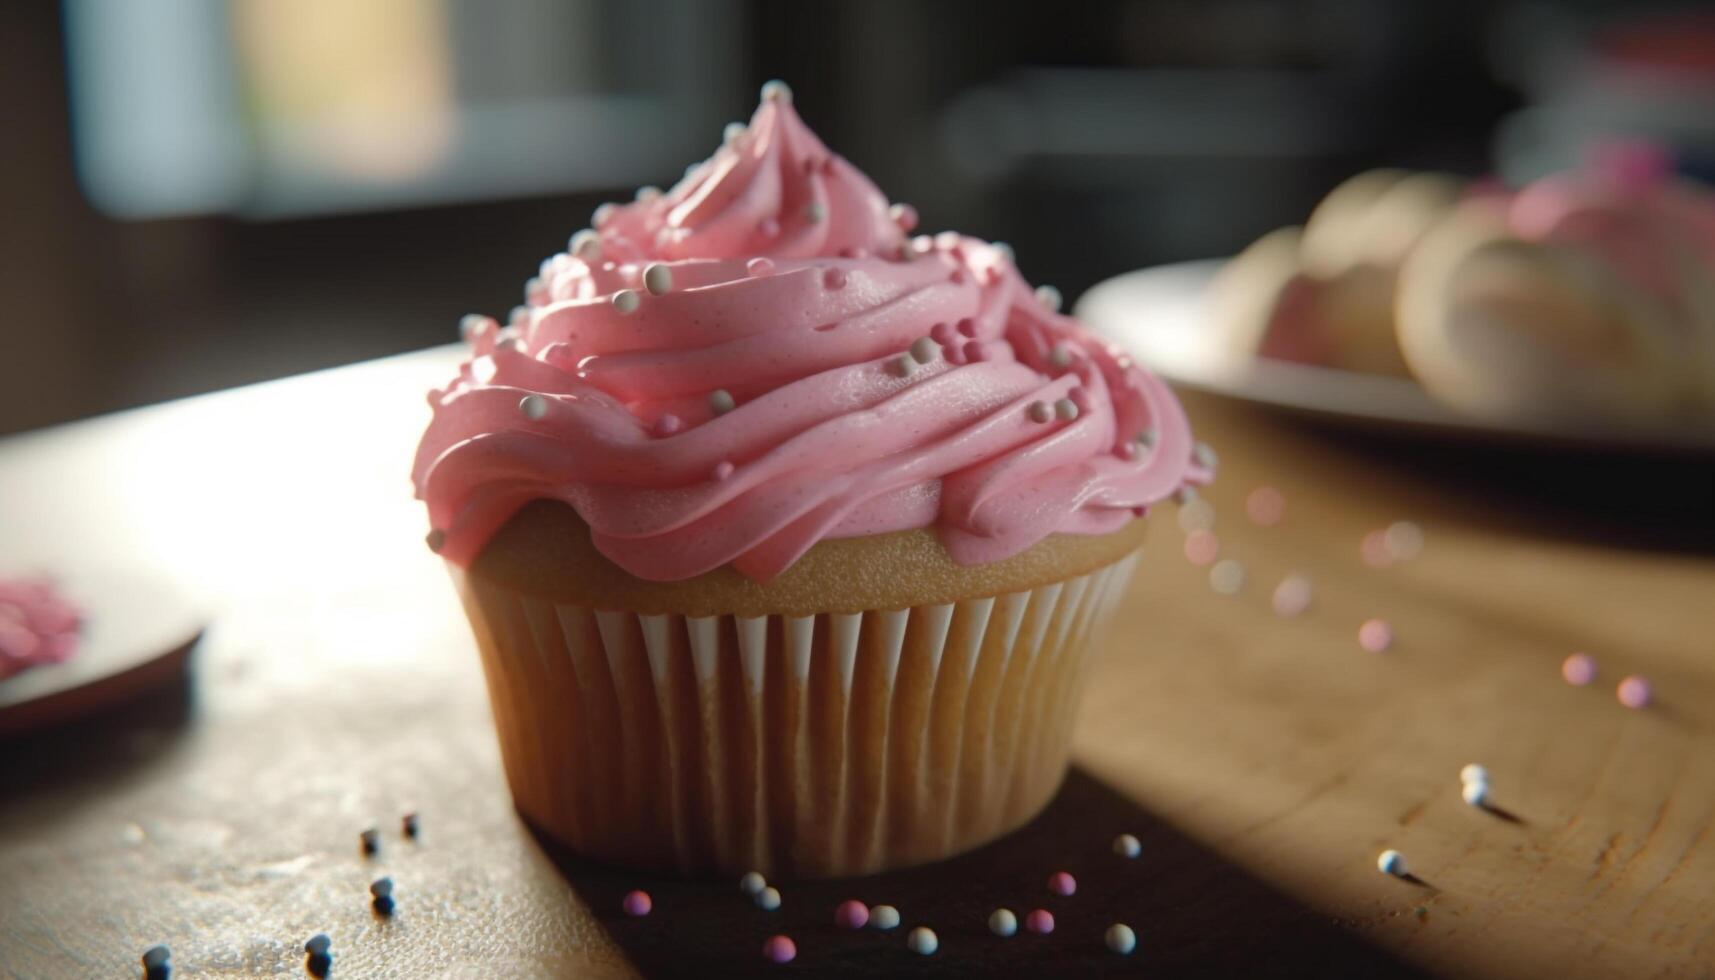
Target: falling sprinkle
column 752, row 883
column 851, row 914
column 721, row 401
column 1120, row 939
column 1578, row 669
column 1040, row 921
column 1265, row 506
column 1196, row 515
column 1404, row 540
column 1633, row 691
column 1202, row 547
column 1391, row 862
column 884, row 917
column 1003, row 923
column 1292, row 596
column 1050, row 298
column 1061, row 883
column 638, row 903
column 922, row 941
column 768, row 899
column 1127, row 846
column 626, row 301
column 1375, row 635
column 779, row 949
column 533, row 406
column 657, row 278
column 1227, row 576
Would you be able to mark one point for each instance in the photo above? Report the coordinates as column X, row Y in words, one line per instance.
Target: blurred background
column 205, row 193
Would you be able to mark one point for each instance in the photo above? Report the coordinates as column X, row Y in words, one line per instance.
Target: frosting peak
column 757, row 359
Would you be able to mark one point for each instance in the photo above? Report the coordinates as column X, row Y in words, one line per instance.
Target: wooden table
column 1264, row 762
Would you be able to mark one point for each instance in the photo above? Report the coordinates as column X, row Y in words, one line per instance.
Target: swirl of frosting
column 758, row 359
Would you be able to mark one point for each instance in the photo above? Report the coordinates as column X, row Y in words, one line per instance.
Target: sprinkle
column 1005, row 251
column 318, row 944
column 472, row 325
column 533, row 406
column 1473, row 773
column 723, row 469
column 1633, row 692
column 779, row 949
column 1375, row 550
column 1061, row 883
column 947, row 241
column 1202, row 547
column 768, row 228
column 720, row 401
column 657, row 278
column 1476, row 793
column 1391, row 862
column 903, row 215
column 923, row 350
column 381, row 887
column 1292, row 595
column 922, row 941
column 901, row 366
column 815, row 211
column 752, row 883
column 1066, row 409
column 834, row 278
column 1265, row 506
column 1196, row 515
column 156, row 956
column 1003, row 923
column 585, row 245
column 535, row 289
column 1578, row 669
column 851, row 914
column 884, row 917
column 1040, row 921
column 973, row 352
column 1120, row 939
column 1205, row 456
column 759, row 266
column 648, row 192
column 436, row 539
column 732, row 132
column 768, row 899
column 1403, row 539
column 519, row 316
column 1127, row 846
column 1375, row 635
column 1146, row 438
column 638, row 903
column 1039, row 412
column 603, row 214
column 383, row 904
column 668, row 424
column 1227, row 577
column 1184, row 493
column 409, row 826
column 776, row 90
column 1060, row 357
column 370, row 840
column 1050, row 298
column 626, row 301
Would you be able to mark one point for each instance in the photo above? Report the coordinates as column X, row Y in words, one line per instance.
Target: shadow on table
column 1195, row 913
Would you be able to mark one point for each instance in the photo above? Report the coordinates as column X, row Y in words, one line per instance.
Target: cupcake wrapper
column 834, row 744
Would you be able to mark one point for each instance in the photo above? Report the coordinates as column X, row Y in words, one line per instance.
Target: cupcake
column 787, row 539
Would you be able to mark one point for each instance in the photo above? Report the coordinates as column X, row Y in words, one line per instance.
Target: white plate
column 1159, row 315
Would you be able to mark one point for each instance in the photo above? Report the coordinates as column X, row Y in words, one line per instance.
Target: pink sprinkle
column 1040, row 921
column 668, row 424
column 851, row 914
column 1633, row 692
column 941, row 333
column 1578, row 669
column 957, row 276
column 723, row 469
column 768, row 228
column 759, row 266
column 1061, row 883
column 946, row 240
column 905, row 216
column 834, row 278
column 1202, row 547
column 638, row 903
column 1375, row 550
column 1292, row 595
column 779, row 949
column 968, row 327
column 1375, row 635
column 973, row 351
column 1266, row 506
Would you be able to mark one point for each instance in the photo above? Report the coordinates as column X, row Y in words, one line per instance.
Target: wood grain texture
column 1263, row 762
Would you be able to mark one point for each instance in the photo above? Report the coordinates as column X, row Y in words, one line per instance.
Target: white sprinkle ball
column 519, row 316
column 1184, row 494
column 903, row 215
column 603, row 214
column 923, row 941
column 657, row 278
column 471, row 324
column 533, row 406
column 1002, row 922
column 1404, row 540
column 752, row 883
column 648, row 192
column 1005, row 251
column 776, row 90
column 1060, row 357
column 1473, row 773
column 732, row 132
column 586, row 245
column 1120, row 938
column 1391, row 862
column 1292, row 596
column 901, row 366
column 923, row 350
column 768, row 899
column 721, row 401
column 1066, row 409
column 1050, row 298
column 532, row 286
column 1127, row 846
column 815, row 211
column 626, row 301
column 1196, row 515
column 884, row 917
column 1039, row 412
column 1227, row 576
column 1205, row 456
column 1476, row 792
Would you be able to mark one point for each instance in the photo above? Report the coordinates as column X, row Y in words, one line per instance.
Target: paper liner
column 836, row 744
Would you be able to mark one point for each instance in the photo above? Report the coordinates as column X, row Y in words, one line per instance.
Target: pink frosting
column 38, row 625
column 795, row 293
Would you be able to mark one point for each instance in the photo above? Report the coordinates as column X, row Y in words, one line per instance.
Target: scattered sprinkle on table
column 1578, row 669
column 382, row 889
column 409, row 825
column 1002, row 922
column 752, row 883
column 1473, row 773
column 1375, row 635
column 1202, row 547
column 884, row 917
column 370, row 841
column 1061, row 883
column 638, row 903
column 1375, row 550
column 1476, row 793
column 1127, row 846
column 779, row 949
column 1633, row 692
column 1404, row 540
column 1391, row 862
column 851, row 914
column 768, row 899
column 1120, row 938
column 318, row 944
column 1227, row 576
column 157, row 961
column 1265, row 506
column 1039, row 921
column 1196, row 515
column 1292, row 596
column 923, row 941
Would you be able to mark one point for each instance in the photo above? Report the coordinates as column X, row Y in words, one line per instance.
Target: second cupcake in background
column 787, row 538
